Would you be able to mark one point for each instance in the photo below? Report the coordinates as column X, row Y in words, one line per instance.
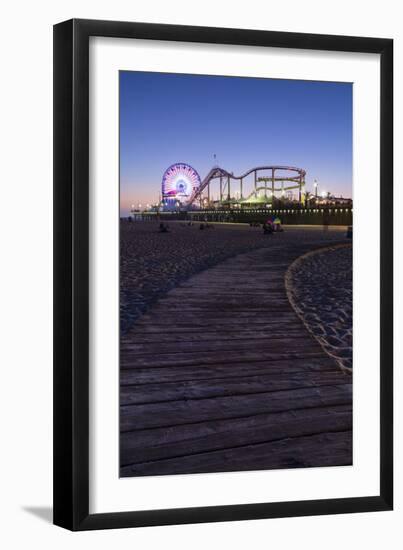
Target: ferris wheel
column 179, row 181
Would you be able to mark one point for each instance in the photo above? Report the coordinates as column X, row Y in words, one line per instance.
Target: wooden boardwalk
column 221, row 375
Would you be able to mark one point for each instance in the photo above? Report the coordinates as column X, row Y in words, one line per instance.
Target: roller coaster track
column 217, row 172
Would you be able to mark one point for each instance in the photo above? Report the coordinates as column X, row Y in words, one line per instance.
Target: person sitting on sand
column 163, row 228
column 267, row 228
column 277, row 224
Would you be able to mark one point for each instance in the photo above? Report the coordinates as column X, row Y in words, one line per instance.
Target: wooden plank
column 301, row 343
column 219, row 370
column 197, row 410
column 160, row 325
column 237, row 436
column 253, row 337
column 325, row 449
column 140, row 441
column 267, row 297
column 153, row 360
column 201, row 389
column 238, row 291
column 218, row 317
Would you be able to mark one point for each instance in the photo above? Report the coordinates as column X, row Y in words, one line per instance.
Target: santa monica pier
column 247, row 197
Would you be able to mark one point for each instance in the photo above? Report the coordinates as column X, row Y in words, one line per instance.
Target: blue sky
column 246, row 122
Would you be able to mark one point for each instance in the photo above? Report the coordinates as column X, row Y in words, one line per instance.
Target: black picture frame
column 71, row 274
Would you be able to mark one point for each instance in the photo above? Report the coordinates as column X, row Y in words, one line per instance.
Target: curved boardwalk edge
column 221, row 375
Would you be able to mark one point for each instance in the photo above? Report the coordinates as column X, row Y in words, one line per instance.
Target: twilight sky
column 246, row 122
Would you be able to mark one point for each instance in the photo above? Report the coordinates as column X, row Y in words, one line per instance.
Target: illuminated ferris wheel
column 179, row 181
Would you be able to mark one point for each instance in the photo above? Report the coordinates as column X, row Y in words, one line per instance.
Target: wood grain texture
column 221, row 375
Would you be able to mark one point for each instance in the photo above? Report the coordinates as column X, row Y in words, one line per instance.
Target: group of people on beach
column 164, row 228
column 272, row 225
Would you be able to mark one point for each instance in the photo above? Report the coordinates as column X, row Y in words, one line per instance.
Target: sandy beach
column 320, row 287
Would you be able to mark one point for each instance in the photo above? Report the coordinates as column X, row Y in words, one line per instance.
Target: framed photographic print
column 223, row 274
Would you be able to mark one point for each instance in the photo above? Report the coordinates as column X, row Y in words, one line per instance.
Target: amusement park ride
column 183, row 188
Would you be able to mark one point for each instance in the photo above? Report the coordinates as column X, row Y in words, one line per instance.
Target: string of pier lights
column 139, row 206
column 277, row 211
